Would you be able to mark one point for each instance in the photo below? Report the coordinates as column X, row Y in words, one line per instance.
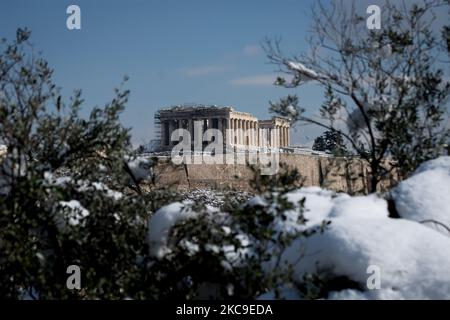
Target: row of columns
column 169, row 126
column 242, row 132
column 283, row 135
column 247, row 132
column 277, row 136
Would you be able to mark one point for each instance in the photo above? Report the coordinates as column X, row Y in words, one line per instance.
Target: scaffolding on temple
column 155, row 143
column 157, row 126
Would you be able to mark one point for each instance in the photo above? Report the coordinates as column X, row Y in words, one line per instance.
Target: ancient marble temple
column 239, row 129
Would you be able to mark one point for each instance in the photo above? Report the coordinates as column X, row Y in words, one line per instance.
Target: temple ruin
column 239, row 129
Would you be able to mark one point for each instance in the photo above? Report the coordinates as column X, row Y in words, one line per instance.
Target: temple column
column 235, row 137
column 250, row 133
column 163, row 133
column 179, row 125
column 273, row 136
column 209, row 126
column 242, row 132
column 220, row 128
column 246, row 139
column 227, row 131
column 191, row 130
column 191, row 127
column 171, row 129
column 277, row 136
column 285, row 136
column 231, row 134
column 255, row 124
column 281, row 136
column 289, row 136
column 198, row 134
column 257, row 134
column 254, row 133
column 239, row 131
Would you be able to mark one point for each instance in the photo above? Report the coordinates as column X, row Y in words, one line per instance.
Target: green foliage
column 64, row 196
column 331, row 142
column 319, row 285
column 287, row 107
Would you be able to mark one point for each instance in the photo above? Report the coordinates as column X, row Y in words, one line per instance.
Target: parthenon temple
column 239, row 129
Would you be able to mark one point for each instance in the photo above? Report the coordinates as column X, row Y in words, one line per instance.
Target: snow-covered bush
column 425, row 196
column 203, row 252
column 270, row 248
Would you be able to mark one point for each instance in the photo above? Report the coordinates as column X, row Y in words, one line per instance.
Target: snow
column 412, row 258
column 302, row 72
column 50, row 179
column 83, row 185
column 257, row 201
column 160, row 224
column 426, row 194
column 190, row 247
column 441, row 163
column 318, row 202
column 76, row 211
column 140, row 167
column 116, row 195
column 3, row 149
column 291, row 110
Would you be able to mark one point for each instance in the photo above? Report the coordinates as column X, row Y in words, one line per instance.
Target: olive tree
column 66, row 197
column 386, row 90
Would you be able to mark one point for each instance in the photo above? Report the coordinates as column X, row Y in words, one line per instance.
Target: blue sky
column 173, row 51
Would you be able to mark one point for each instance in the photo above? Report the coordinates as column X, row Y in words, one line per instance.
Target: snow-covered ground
column 405, row 258
column 215, row 198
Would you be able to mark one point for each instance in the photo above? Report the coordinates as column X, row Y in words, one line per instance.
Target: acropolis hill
column 244, row 132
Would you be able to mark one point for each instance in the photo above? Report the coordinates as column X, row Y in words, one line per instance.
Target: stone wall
column 339, row 174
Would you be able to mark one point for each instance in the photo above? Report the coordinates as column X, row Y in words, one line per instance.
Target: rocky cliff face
column 338, row 174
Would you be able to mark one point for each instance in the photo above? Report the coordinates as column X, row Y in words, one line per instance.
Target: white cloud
column 203, row 71
column 257, row 80
column 252, row 50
